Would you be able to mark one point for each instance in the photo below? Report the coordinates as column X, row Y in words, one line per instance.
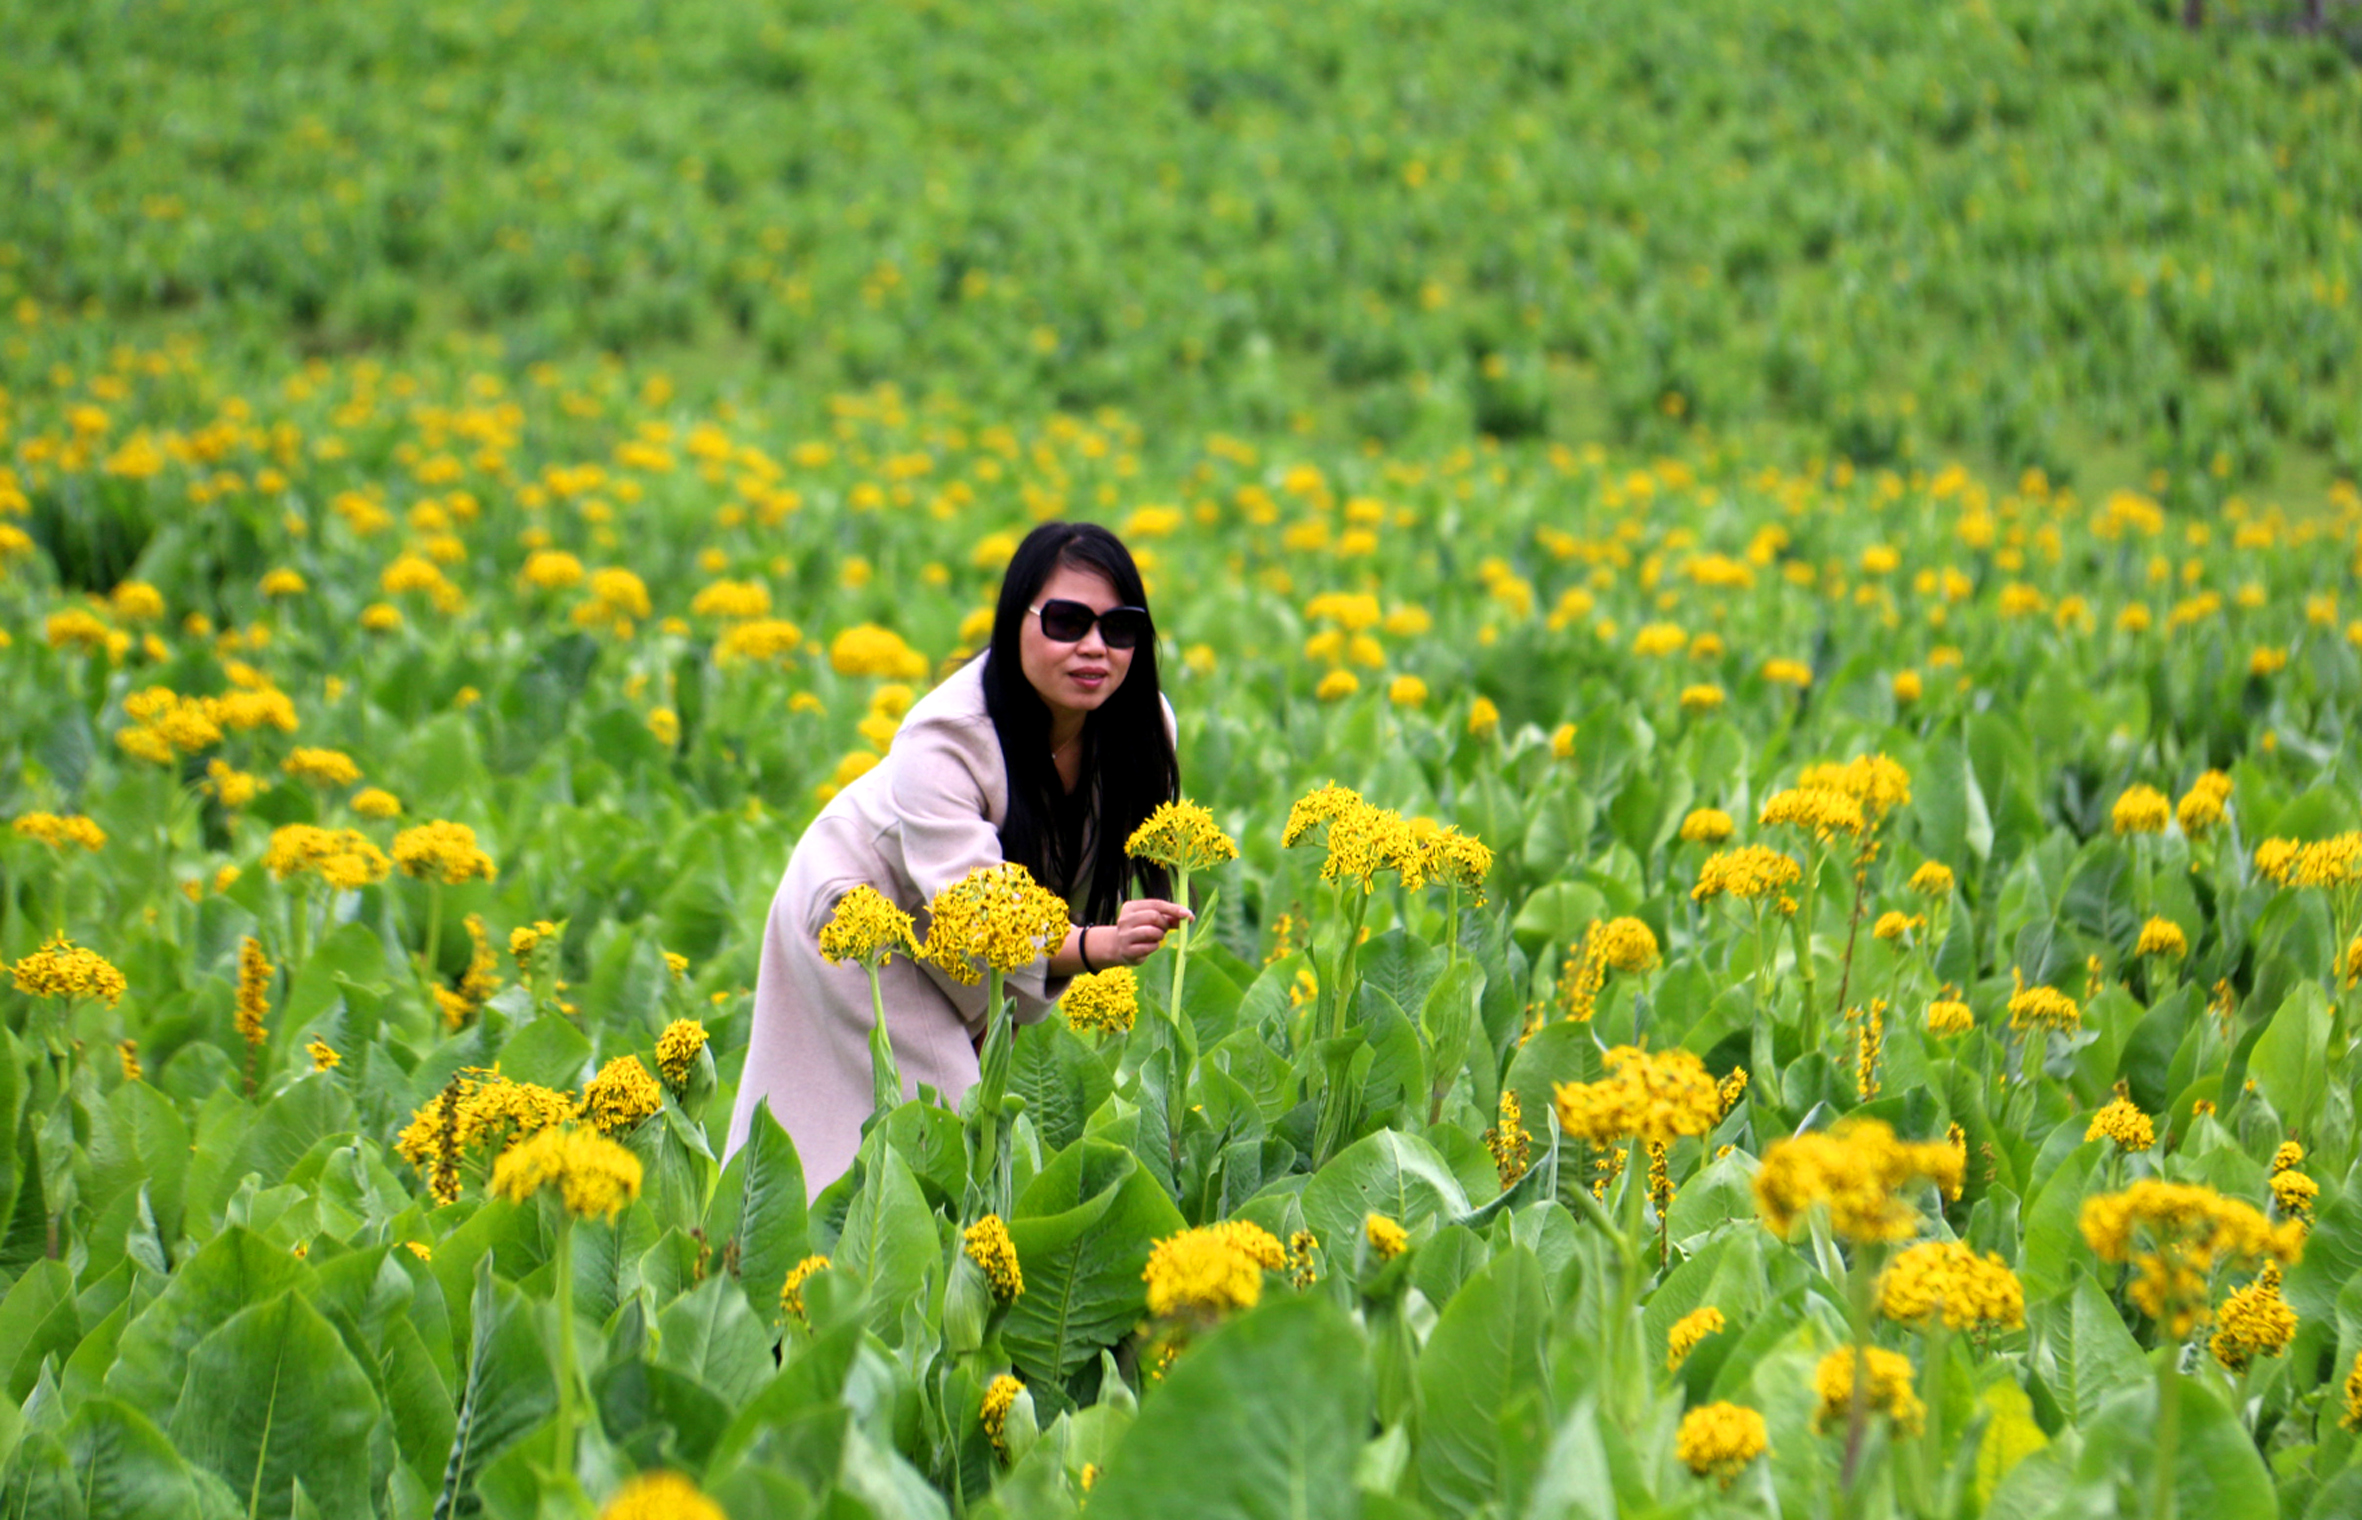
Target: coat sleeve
column 944, row 775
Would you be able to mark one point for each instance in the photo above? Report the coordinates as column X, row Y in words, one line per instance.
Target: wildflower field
column 1758, row 968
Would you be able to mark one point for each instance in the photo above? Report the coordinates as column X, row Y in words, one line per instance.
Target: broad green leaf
column 2010, row 1437
column 709, row 1334
column 509, row 1387
column 38, row 1319
column 2083, row 1350
column 1485, row 1351
column 126, row 1467
column 2217, row 1472
column 888, row 1244
column 549, row 1052
column 1083, row 1230
column 1260, row 1421
column 2287, row 1062
column 236, row 1270
column 272, row 1398
column 1388, row 1173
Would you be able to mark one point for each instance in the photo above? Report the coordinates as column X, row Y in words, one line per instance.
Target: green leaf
column 549, row 1052
column 1485, row 1351
column 509, row 1388
column 310, row 1109
column 2084, row 1352
column 126, row 1467
column 1083, row 1230
column 774, row 1225
column 2287, row 1061
column 709, row 1334
column 236, row 1270
column 38, row 1319
column 2217, row 1472
column 1388, row 1173
column 273, row 1398
column 888, row 1244
column 2010, row 1437
column 1260, row 1421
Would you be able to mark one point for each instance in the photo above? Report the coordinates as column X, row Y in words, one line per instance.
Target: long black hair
column 1125, row 747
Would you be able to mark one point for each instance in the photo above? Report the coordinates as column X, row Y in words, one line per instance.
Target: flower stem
column 2169, row 1429
column 568, row 1373
column 885, row 1076
column 1180, row 946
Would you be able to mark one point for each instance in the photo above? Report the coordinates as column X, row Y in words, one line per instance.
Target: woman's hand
column 1139, row 929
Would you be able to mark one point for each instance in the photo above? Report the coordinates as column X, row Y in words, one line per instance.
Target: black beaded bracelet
column 1082, row 947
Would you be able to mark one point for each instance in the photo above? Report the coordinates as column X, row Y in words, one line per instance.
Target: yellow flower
column 445, row 851
column 378, row 617
column 1822, row 812
column 2041, row 1007
column 1208, row 1272
column 732, row 601
column 1183, row 836
column 2122, row 1122
column 1484, row 719
column 525, row 941
column 1562, row 742
column 321, row 767
column 2176, row 1234
column 2295, row 1193
column 995, row 914
column 1907, row 686
column 1509, row 1141
column 999, row 1399
column 791, row 1292
column 1894, row 926
column 1337, row 685
column 1406, row 691
column 2201, row 809
column 1654, row 1097
column 1315, row 808
column 1754, row 872
column 1628, row 945
column 988, row 1245
column 614, row 593
column 63, row 969
column 58, row 832
column 1932, row 879
column 1707, row 826
column 677, row 1050
column 593, row 1175
column 1788, row 673
column 1949, row 1016
column 2352, row 1418
column 1702, row 697
column 1107, row 1001
column 550, row 570
column 254, row 989
column 665, row 724
column 765, row 638
column 324, row 1056
column 1857, row 1171
column 660, row 1496
column 283, row 582
column 1387, row 1239
column 620, row 1096
column 2324, row 864
column 2140, row 810
column 2254, row 1321
column 1886, row 1389
column 1719, row 1440
column 869, row 650
column 2162, row 936
column 376, row 802
column 1946, row 1278
column 1686, row 1332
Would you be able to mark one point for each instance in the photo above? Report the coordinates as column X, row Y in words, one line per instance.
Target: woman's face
column 1073, row 678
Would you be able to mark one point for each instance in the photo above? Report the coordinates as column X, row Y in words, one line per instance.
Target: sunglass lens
column 1066, row 621
column 1123, row 627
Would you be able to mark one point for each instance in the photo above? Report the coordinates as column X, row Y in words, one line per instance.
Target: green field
column 1851, row 512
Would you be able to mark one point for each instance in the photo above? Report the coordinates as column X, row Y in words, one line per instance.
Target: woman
column 1048, row 750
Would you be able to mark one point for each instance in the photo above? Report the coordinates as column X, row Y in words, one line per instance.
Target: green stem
column 1180, row 947
column 434, row 931
column 568, row 1373
column 885, row 1075
column 2169, row 1429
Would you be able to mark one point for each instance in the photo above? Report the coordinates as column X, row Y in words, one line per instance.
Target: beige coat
column 920, row 820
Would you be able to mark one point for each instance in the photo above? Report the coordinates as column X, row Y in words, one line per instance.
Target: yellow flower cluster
column 1387, row 1238
column 2352, row 1418
column 1509, row 1141
column 254, row 991
column 2140, row 810
column 621, row 1096
column 2254, row 1321
column 999, row 1399
column 1876, row 782
column 2200, row 811
column 1719, row 1440
column 525, row 941
column 2175, row 1234
column 867, row 929
column 988, row 1245
column 1361, row 839
column 376, row 802
column 2324, row 864
column 63, row 969
column 594, row 1176
column 995, row 914
column 321, row 767
column 2119, row 1120
column 167, row 725
column 758, row 639
column 1858, row 1171
column 344, row 858
column 791, row 1292
column 1932, row 879
column 1754, row 872
column 1651, row 1097
column 127, row 1055
column 2295, row 1194
column 323, row 1054
column 1182, row 836
column 1821, row 812
column 1949, row 1016
column 1628, row 945
column 1208, row 1272
column 732, row 601
column 444, row 851
column 660, row 1496
column 1707, row 826
column 1947, row 1279
column 58, row 832
column 2162, row 937
column 476, row 984
column 677, row 1050
column 1107, row 1001
column 2041, row 1007
column 1315, row 808
column 869, row 650
column 1886, row 1378
column 1896, row 926
column 1683, row 1336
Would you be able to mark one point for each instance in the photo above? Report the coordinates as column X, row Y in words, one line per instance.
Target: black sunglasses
column 1066, row 622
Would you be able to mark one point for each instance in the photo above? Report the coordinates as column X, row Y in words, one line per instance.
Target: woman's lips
column 1089, row 680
